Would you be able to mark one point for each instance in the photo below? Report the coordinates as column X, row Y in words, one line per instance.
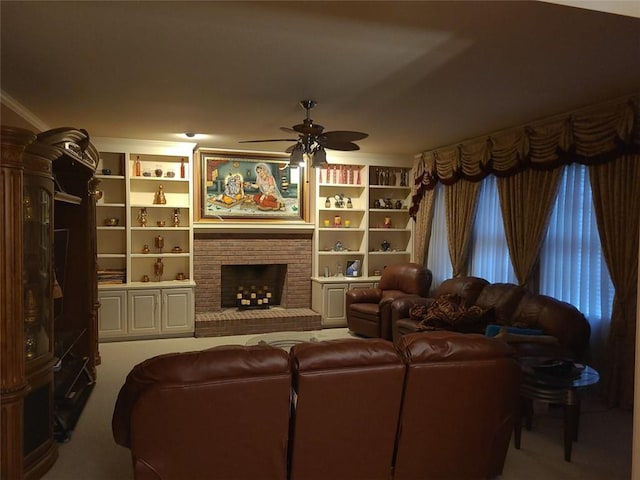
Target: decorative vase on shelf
column 142, row 217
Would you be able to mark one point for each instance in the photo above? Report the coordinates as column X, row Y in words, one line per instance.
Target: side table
column 558, row 389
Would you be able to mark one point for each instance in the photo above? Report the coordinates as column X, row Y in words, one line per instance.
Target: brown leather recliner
column 180, row 414
column 348, row 395
column 369, row 309
column 458, row 408
column 510, row 304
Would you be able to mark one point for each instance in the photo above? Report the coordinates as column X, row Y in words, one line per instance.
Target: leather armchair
column 369, row 309
column 217, row 413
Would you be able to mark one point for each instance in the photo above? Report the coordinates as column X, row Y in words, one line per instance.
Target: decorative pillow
column 448, row 312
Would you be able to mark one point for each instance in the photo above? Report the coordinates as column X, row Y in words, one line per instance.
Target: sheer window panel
column 438, row 260
column 572, row 266
column 489, row 254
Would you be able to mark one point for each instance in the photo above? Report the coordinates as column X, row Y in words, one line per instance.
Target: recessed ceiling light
column 189, row 134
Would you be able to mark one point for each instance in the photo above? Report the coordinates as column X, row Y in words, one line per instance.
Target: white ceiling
column 414, row 75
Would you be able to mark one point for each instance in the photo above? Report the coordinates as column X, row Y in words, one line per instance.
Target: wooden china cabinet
column 47, row 305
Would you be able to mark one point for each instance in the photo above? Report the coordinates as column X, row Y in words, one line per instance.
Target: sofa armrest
column 401, row 306
column 363, row 295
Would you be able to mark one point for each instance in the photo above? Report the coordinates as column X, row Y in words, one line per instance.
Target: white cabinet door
column 177, row 310
column 144, row 312
column 112, row 315
column 333, row 311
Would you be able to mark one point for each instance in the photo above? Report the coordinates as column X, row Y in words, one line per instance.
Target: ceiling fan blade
column 288, row 130
column 270, row 140
column 344, row 136
column 344, row 146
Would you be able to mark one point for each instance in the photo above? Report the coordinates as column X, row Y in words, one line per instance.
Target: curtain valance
column 591, row 135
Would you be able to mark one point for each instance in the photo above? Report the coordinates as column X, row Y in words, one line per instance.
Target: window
column 489, row 254
column 572, row 267
column 438, row 259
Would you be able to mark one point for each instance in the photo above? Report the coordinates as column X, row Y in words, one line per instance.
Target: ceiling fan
column 312, row 140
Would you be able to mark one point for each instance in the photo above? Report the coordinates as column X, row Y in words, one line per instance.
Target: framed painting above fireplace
column 248, row 186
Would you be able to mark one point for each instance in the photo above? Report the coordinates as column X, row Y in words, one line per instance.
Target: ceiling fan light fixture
column 319, row 157
column 296, row 156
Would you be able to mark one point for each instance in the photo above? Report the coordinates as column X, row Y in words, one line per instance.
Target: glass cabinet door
column 37, row 271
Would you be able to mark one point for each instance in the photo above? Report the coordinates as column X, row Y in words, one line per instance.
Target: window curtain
column 616, row 198
column 423, row 217
column 526, row 200
column 460, row 205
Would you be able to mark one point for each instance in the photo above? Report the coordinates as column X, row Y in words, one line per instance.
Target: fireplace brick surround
column 212, row 250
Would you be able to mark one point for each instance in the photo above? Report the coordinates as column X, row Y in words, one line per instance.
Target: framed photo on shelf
column 353, row 268
column 249, row 186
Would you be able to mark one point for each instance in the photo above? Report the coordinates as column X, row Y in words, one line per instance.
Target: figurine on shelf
column 327, row 203
column 158, row 269
column 142, row 217
column 338, row 246
column 339, row 203
column 385, row 246
column 387, row 222
column 146, row 249
column 398, row 204
column 159, row 198
column 176, row 217
column 159, row 243
column 349, row 203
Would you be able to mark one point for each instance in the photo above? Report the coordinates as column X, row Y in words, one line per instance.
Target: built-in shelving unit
column 362, row 218
column 145, row 239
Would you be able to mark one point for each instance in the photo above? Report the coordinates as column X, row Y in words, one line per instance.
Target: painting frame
column 249, row 187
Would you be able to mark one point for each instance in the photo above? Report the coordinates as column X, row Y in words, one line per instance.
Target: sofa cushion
column 449, row 312
column 504, row 299
column 468, row 288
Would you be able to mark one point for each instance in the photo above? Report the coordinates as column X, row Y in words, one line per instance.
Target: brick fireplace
column 212, row 250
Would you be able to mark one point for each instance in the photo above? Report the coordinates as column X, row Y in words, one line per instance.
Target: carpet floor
column 602, row 452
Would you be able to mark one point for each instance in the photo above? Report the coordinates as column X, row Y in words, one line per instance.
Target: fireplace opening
column 272, row 276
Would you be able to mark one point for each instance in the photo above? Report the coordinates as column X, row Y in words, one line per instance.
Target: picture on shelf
column 249, row 187
column 353, row 268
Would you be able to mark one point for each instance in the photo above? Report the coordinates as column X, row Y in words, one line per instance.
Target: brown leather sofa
column 509, row 305
column 343, row 409
column 369, row 309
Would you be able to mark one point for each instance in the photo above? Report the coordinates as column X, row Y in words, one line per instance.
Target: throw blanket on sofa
column 448, row 312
